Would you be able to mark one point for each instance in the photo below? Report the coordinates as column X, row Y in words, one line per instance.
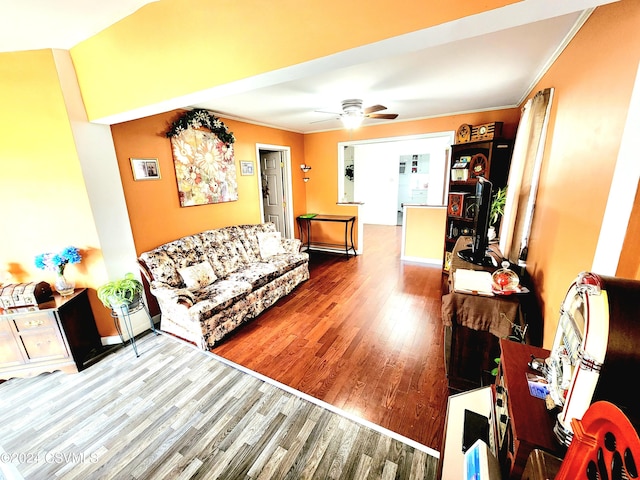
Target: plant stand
column 125, row 312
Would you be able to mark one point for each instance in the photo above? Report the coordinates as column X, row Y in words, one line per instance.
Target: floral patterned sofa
column 209, row 283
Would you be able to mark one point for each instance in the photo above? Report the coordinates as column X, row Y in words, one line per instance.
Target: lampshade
column 352, row 119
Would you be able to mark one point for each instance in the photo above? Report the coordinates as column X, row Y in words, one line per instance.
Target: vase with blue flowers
column 57, row 262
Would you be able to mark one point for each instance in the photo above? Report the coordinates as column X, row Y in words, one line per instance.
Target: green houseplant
column 497, row 205
column 124, row 291
column 496, row 211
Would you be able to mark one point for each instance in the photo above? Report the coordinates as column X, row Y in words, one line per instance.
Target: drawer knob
column 35, row 323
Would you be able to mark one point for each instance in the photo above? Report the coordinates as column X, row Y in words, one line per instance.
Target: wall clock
column 487, row 131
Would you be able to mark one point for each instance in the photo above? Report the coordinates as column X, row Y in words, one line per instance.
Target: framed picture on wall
column 246, row 168
column 145, row 169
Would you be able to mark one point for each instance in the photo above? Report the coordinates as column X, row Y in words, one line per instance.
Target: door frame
column 403, row 138
column 287, row 183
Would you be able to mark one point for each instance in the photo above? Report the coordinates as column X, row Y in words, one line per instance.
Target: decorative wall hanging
column 204, row 162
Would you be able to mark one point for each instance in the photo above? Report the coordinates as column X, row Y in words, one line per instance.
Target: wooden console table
column 56, row 335
column 474, row 325
column 304, row 225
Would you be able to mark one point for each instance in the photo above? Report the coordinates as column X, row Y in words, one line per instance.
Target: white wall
column 376, row 182
column 99, row 164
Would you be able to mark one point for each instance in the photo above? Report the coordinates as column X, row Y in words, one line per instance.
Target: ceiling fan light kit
column 353, row 114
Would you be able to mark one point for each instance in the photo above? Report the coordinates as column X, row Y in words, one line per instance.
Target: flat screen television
column 478, row 252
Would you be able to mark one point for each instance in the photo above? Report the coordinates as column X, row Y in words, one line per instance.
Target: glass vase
column 505, row 281
column 64, row 286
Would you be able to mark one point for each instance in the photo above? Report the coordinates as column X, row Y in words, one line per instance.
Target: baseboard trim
column 138, row 327
column 427, row 261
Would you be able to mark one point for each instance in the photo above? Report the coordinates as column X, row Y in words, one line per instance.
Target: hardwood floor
column 364, row 334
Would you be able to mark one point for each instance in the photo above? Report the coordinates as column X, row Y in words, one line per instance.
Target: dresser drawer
column 5, row 326
column 10, row 353
column 33, row 321
column 44, row 344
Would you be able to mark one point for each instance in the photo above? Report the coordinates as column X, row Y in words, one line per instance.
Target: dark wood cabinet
column 60, row 334
column 490, row 159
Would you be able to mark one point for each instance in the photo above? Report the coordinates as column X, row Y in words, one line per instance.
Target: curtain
column 524, row 175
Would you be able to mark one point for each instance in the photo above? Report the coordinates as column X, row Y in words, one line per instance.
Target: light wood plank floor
column 363, row 334
column 179, row 413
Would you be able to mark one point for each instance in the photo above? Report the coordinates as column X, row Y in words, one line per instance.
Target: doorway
column 274, row 173
column 370, row 172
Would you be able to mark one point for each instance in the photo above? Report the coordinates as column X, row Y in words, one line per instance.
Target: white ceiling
column 487, row 61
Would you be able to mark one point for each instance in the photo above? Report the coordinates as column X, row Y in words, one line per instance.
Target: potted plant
column 124, row 291
column 497, row 210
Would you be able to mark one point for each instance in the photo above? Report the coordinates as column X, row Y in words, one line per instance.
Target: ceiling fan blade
column 326, row 111
column 389, row 116
column 374, row 108
column 325, row 120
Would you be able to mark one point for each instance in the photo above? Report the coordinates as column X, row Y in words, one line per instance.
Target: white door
column 273, row 203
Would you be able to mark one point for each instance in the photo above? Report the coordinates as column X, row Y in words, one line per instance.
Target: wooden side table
column 56, row 335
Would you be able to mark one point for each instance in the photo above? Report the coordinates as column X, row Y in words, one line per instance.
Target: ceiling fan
column 352, row 113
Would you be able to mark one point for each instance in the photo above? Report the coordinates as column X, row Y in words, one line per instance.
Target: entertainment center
column 477, row 170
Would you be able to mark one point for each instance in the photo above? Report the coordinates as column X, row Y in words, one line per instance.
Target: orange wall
column 629, row 266
column 593, row 80
column 154, row 209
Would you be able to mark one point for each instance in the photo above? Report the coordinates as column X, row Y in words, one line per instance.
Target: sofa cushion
column 257, row 274
column 198, row 276
column 224, row 250
column 270, row 244
column 161, row 267
column 164, row 262
column 218, row 296
column 248, row 234
column 287, row 261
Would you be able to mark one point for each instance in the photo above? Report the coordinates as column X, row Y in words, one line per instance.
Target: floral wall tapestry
column 204, row 161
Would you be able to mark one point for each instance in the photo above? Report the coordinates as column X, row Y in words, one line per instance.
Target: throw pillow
column 270, row 244
column 198, row 275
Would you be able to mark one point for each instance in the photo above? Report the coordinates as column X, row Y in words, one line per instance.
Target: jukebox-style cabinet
column 55, row 335
column 486, row 158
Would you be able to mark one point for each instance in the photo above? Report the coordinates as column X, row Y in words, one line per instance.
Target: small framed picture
column 246, row 168
column 145, row 169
